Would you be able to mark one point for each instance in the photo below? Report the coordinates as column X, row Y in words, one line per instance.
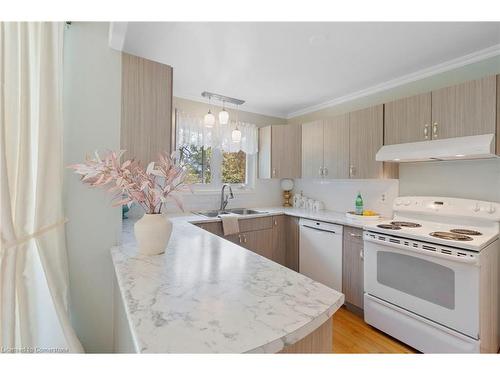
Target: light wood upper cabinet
column 281, row 156
column 465, row 109
column 146, row 109
column 336, row 147
column 365, row 139
column 408, row 120
column 312, row 149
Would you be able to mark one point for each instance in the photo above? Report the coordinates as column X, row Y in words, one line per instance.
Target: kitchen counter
column 328, row 216
column 208, row 295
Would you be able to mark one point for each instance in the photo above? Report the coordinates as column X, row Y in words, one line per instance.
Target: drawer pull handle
column 355, row 235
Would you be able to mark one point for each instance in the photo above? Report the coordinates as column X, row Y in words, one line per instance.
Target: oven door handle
column 451, row 258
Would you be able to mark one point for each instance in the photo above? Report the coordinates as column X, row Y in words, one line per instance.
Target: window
column 210, row 155
column 196, row 159
column 212, row 168
column 234, row 167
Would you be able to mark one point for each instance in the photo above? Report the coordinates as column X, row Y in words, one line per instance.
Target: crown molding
column 409, row 78
column 243, row 108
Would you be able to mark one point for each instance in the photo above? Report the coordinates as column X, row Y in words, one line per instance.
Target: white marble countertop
column 208, row 295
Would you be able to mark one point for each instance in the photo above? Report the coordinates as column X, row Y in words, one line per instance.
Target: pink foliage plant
column 129, row 182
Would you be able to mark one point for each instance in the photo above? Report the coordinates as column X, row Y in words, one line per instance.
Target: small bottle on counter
column 359, row 204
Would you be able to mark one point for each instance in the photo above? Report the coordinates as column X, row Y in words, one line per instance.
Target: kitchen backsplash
column 339, row 195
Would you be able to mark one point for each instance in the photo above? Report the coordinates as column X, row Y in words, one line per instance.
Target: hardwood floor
column 352, row 335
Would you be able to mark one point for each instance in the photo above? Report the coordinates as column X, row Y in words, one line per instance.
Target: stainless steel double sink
column 237, row 211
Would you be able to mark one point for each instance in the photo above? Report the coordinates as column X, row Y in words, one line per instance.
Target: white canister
column 318, row 205
column 310, row 204
column 297, row 198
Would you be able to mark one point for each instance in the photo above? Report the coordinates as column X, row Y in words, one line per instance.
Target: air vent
column 430, row 248
column 393, row 240
column 446, row 251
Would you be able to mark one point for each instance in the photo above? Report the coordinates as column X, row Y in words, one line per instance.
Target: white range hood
column 472, row 147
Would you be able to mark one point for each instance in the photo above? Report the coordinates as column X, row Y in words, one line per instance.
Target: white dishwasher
column 320, row 252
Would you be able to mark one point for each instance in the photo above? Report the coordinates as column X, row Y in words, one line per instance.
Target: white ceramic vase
column 152, row 233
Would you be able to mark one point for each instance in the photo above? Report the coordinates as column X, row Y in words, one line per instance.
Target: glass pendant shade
column 236, row 135
column 209, row 119
column 223, row 117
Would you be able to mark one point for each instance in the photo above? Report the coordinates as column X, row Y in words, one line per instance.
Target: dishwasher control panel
column 321, row 225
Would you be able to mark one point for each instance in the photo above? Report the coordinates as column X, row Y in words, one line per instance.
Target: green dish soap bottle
column 359, row 204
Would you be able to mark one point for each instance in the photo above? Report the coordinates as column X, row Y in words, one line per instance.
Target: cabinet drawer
column 353, row 234
column 259, row 223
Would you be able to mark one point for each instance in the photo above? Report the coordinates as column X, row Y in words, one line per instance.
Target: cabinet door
column 259, row 241
column 365, row 139
column 464, row 109
column 352, row 266
column 265, row 152
column 292, row 242
column 279, row 240
column 408, row 120
column 336, row 147
column 286, row 160
column 312, row 149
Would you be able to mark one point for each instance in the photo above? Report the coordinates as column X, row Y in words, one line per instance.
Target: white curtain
column 191, row 130
column 33, row 264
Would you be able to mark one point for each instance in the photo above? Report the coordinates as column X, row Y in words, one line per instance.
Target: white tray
column 353, row 216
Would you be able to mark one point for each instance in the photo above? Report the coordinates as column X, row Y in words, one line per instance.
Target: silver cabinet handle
column 426, row 131
column 362, row 254
column 355, row 235
column 274, row 171
column 352, row 170
column 320, row 171
column 434, row 130
column 275, row 222
column 239, row 238
column 325, row 171
column 244, row 239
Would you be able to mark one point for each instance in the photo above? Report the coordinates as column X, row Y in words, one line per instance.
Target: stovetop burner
column 451, row 236
column 389, row 226
column 407, row 224
column 468, row 232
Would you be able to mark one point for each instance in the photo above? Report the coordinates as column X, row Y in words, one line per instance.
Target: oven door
column 441, row 288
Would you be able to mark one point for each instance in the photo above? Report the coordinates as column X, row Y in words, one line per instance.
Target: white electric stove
column 431, row 274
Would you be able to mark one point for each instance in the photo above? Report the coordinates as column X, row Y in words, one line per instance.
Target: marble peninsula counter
column 206, row 294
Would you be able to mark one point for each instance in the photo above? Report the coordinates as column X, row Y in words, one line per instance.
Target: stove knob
column 476, row 208
column 492, row 209
column 407, row 203
column 398, row 202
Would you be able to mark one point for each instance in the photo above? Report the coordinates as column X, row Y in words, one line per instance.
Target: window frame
column 216, row 169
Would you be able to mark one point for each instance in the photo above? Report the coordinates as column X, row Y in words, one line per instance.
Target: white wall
column 473, row 179
column 92, row 101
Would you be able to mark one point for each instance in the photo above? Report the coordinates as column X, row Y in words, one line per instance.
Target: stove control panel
column 449, row 207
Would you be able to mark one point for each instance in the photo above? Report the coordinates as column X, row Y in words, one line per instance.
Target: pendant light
column 223, row 115
column 209, row 118
column 236, row 133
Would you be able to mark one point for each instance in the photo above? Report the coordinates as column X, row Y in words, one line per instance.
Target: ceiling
column 287, row 69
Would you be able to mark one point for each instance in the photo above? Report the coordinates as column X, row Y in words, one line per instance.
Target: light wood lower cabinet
column 279, row 240
column 274, row 237
column 292, row 242
column 352, row 266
